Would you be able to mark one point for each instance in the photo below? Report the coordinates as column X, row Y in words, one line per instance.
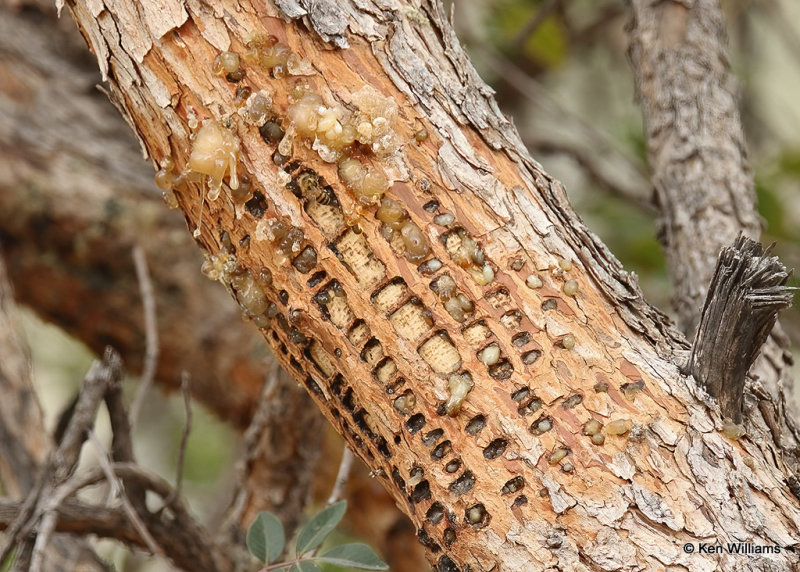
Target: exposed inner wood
column 666, row 477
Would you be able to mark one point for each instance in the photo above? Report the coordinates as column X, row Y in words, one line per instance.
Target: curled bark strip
column 746, row 293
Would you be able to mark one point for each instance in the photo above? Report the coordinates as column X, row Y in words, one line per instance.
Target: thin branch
column 342, row 476
column 119, row 490
column 49, row 518
column 62, row 462
column 250, row 448
column 78, row 518
column 184, row 540
column 276, row 456
column 187, row 407
column 151, row 333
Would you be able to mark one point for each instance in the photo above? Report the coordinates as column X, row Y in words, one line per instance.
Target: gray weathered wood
column 746, row 293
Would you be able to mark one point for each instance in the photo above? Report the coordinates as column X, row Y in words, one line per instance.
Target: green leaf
column 357, row 555
column 265, row 537
column 320, row 526
column 305, row 566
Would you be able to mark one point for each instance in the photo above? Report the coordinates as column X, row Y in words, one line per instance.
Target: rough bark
column 485, row 487
column 60, row 194
column 703, row 183
column 696, row 148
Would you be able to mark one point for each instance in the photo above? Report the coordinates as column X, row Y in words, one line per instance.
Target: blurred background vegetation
column 560, row 69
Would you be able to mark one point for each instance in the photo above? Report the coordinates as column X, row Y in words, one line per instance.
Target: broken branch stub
column 747, row 291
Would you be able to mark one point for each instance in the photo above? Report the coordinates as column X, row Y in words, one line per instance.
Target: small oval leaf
column 265, row 537
column 319, row 527
column 356, row 554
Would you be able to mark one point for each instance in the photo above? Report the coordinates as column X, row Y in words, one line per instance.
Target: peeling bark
column 73, row 205
column 506, row 482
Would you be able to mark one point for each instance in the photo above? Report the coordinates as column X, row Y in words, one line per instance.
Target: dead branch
column 187, row 428
column 273, row 441
column 23, row 440
column 746, row 293
column 179, row 538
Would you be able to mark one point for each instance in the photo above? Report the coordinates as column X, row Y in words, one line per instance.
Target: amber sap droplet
column 533, row 282
column 459, row 385
column 421, row 135
column 592, row 427
column 618, row 427
column 304, row 114
column 275, row 55
column 226, row 63
column 541, row 427
column 557, row 455
column 476, row 514
column 417, row 248
column 272, row 132
column 249, row 293
column 306, row 260
column 570, row 287
column 165, row 177
column 632, row 390
column 374, row 184
column 445, row 287
column 490, row 355
column 392, row 214
column 430, row 266
column 405, row 403
column 352, row 172
column 215, row 152
column 235, row 77
column 242, row 93
column 244, row 192
column 444, row 219
column 732, row 430
column 259, row 106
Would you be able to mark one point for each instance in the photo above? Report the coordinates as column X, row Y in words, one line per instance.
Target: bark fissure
column 601, row 359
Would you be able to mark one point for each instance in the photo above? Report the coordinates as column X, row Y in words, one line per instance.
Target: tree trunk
column 50, row 246
column 579, row 443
